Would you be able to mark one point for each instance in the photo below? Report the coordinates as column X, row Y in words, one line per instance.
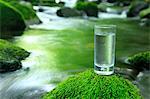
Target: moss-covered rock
column 27, row 11
column 140, row 61
column 102, row 7
column 11, row 56
column 11, row 21
column 9, row 65
column 136, row 7
column 89, row 8
column 88, row 85
column 145, row 13
column 68, row 12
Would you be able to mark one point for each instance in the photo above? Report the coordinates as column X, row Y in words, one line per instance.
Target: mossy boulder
column 11, row 21
column 11, row 56
column 68, row 12
column 140, row 61
column 89, row 85
column 9, row 65
column 145, row 13
column 89, row 8
column 136, row 7
column 27, row 11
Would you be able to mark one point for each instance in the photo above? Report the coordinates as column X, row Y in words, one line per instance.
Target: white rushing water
column 50, row 21
column 31, row 81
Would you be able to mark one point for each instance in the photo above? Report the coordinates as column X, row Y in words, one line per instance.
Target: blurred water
column 31, row 81
column 50, row 21
column 143, row 82
column 104, row 15
column 39, row 73
column 21, row 85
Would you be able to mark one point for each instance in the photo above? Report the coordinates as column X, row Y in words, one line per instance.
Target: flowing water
column 143, row 82
column 48, row 63
column 40, row 72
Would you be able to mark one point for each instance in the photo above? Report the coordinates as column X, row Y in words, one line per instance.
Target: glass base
column 104, row 70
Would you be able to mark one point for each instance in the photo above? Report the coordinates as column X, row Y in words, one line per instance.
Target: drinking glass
column 104, row 49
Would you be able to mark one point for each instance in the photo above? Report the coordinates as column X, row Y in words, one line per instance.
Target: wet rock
column 93, row 13
column 111, row 1
column 145, row 22
column 68, row 12
column 130, row 74
column 123, row 2
column 89, row 8
column 11, row 65
column 102, row 7
column 41, row 10
column 11, row 56
column 27, row 69
column 61, row 3
column 136, row 7
column 126, row 3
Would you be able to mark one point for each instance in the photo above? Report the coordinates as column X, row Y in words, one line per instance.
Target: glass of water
column 104, row 49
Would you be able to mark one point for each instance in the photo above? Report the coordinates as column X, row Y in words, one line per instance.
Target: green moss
column 85, row 5
column 11, row 56
column 145, row 13
column 26, row 10
column 8, row 51
column 137, row 6
column 88, row 85
column 89, row 8
column 10, row 20
column 141, row 60
column 102, row 7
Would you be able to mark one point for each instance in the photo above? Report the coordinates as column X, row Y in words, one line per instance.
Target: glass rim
column 105, row 26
